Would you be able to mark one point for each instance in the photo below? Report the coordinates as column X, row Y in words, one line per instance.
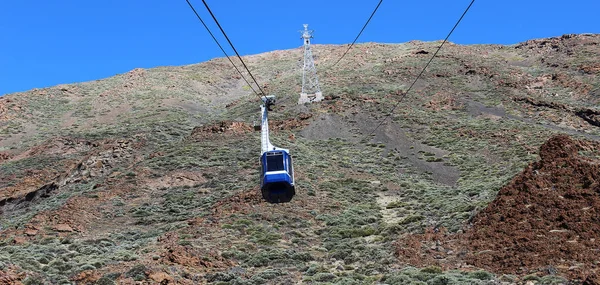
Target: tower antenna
column 311, row 92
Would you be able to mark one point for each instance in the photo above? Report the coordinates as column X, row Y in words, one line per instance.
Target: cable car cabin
column 277, row 176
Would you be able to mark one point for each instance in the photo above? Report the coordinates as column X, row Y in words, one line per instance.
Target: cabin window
column 275, row 162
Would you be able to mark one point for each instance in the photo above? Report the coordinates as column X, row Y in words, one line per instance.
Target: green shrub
column 137, row 272
column 481, row 275
column 432, row 270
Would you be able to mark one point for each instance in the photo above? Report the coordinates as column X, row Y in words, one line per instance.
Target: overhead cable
column 225, row 53
column 233, row 47
column 357, row 36
column 423, row 70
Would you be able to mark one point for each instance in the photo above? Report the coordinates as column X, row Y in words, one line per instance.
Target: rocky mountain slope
column 151, row 177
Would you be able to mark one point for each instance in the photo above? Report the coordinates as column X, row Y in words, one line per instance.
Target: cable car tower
column 311, row 92
column 277, row 172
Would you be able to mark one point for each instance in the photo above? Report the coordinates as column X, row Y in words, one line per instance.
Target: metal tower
column 311, row 92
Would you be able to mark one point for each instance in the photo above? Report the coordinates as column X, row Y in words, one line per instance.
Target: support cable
column 225, row 53
column 231, row 44
column 423, row 70
column 355, row 39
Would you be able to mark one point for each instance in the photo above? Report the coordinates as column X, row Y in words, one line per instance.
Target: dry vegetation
column 150, row 177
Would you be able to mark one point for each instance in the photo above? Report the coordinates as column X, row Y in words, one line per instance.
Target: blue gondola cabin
column 277, row 176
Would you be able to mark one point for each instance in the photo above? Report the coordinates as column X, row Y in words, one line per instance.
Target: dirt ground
column 545, row 221
column 123, row 163
column 10, row 276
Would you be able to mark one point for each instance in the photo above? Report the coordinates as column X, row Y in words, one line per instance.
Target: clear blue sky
column 44, row 43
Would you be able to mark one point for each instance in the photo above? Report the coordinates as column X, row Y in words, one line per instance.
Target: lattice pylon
column 311, row 91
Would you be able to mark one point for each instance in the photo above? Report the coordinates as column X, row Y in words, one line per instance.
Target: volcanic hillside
column 151, row 177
